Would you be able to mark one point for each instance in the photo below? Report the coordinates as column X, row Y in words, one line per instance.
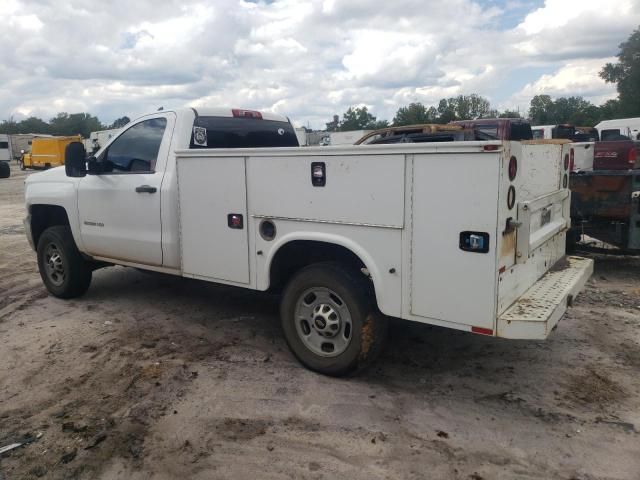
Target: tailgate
column 540, row 217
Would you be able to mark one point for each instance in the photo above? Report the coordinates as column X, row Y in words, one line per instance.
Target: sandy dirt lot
column 154, row 377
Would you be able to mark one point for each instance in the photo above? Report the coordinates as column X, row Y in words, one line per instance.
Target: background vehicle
column 465, row 130
column 515, row 129
column 549, row 132
column 99, row 139
column 21, row 142
column 606, row 198
column 46, row 152
column 416, row 134
column 349, row 235
column 343, row 138
column 5, row 156
column 613, row 129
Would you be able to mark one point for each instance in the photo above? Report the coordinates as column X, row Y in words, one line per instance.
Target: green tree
column 446, row 110
column 9, row 126
column 415, row 114
column 333, row 125
column 359, row 118
column 541, row 110
column 471, row 107
column 574, row 110
column 33, row 125
column 74, row 124
column 120, row 122
column 510, row 114
column 464, row 107
column 626, row 75
column 610, row 109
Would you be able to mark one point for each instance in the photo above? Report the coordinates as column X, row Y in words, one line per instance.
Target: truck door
column 119, row 209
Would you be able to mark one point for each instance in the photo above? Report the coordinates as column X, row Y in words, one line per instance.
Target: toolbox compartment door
column 210, row 190
column 453, row 194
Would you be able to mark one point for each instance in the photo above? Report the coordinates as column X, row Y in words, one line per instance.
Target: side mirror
column 74, row 160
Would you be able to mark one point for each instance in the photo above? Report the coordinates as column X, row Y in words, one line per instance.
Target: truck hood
column 56, row 174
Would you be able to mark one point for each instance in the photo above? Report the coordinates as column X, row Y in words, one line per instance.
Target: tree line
column 543, row 110
column 62, row 124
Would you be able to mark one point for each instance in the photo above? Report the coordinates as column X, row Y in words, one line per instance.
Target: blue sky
column 305, row 59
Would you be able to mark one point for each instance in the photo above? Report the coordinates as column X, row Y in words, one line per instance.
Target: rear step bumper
column 536, row 313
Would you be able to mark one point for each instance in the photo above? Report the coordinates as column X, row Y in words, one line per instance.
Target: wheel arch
column 294, row 252
column 43, row 216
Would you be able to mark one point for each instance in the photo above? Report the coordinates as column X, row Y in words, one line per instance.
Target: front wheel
column 330, row 320
column 63, row 270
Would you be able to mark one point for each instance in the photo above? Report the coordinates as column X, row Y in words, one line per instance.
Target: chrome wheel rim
column 323, row 322
column 54, row 265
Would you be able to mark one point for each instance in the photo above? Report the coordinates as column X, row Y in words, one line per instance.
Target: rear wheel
column 63, row 270
column 330, row 320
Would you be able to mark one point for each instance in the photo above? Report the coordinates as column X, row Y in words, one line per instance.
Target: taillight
column 633, row 156
column 513, row 168
column 238, row 113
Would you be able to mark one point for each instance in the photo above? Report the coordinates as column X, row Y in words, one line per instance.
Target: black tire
column 5, row 170
column 63, row 270
column 368, row 327
column 572, row 239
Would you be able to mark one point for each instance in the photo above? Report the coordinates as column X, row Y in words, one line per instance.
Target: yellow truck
column 46, row 152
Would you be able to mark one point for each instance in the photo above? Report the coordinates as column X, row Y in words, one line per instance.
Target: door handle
column 146, row 189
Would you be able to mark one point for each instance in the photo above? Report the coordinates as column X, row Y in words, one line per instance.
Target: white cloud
column 558, row 13
column 576, row 78
column 306, row 59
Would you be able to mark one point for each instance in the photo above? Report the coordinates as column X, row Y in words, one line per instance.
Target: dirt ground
column 153, row 377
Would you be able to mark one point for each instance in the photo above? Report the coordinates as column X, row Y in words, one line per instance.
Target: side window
column 4, row 145
column 490, row 131
column 136, row 150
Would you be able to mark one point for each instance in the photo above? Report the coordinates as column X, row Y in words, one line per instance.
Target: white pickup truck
column 467, row 235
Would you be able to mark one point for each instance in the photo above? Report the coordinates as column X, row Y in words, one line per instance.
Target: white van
column 629, row 127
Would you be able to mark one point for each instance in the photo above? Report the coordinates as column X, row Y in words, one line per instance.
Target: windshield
column 232, row 132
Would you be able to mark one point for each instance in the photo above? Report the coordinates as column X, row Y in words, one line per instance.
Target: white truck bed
column 403, row 210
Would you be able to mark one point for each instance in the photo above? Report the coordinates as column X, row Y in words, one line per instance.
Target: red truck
column 616, row 155
column 605, row 201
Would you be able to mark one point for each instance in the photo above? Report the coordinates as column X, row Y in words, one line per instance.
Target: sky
column 307, row 60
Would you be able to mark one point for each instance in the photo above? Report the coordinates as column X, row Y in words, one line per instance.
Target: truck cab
column 135, row 175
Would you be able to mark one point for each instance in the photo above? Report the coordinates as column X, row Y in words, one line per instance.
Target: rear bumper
column 536, row 313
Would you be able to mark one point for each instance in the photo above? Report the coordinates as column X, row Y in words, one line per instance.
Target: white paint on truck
column 460, row 234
